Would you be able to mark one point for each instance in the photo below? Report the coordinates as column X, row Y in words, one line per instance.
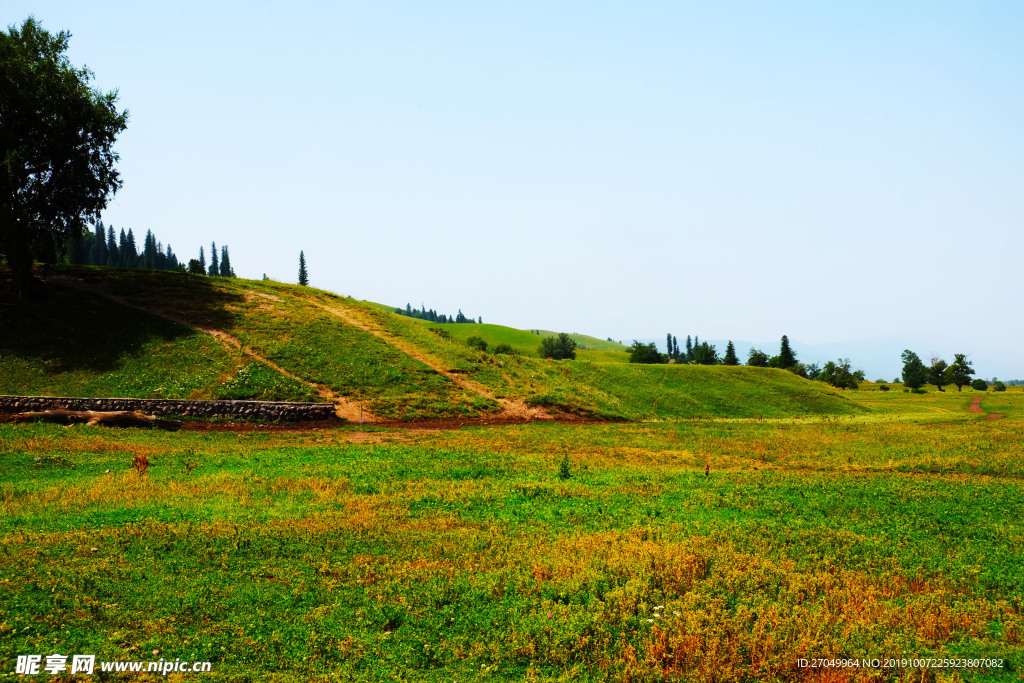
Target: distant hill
column 110, row 332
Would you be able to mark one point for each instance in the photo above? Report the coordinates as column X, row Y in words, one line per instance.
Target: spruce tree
column 149, row 252
column 98, row 252
column 787, row 358
column 675, row 347
column 225, row 263
column 131, row 255
column 303, row 274
column 214, row 264
column 202, row 260
column 113, row 257
column 689, row 349
column 730, row 355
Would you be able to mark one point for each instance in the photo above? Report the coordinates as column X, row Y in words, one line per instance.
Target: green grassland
column 531, row 552
column 139, row 334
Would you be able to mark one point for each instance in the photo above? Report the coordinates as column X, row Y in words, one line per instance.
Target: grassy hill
column 101, row 332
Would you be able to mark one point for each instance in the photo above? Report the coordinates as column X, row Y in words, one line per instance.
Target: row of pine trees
column 432, row 315
column 105, row 248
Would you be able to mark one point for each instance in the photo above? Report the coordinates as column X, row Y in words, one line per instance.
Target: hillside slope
column 104, row 332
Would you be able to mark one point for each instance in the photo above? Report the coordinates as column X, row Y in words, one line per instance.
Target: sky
column 848, row 174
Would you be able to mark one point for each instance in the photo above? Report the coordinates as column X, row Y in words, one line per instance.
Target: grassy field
column 150, row 334
column 534, row 552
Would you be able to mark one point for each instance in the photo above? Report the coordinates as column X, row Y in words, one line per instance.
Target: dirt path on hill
column 511, row 409
column 975, row 407
column 343, row 407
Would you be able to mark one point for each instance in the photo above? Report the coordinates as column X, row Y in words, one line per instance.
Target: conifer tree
column 113, row 255
column 202, row 260
column 98, row 252
column 303, row 274
column 787, row 358
column 689, row 349
column 148, row 261
column 675, row 348
column 225, row 263
column 730, row 355
column 131, row 254
column 214, row 264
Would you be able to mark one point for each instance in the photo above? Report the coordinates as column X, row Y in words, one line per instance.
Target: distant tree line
column 432, row 315
column 696, row 352
column 104, row 247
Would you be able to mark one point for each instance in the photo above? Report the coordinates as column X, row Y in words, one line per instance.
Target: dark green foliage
column 938, row 373
column 689, row 349
column 960, row 371
column 915, row 374
column 730, row 355
column 786, row 357
column 443, row 334
column 505, row 349
column 225, row 263
column 563, row 468
column 705, row 354
column 812, row 371
column 757, row 359
column 838, row 374
column 432, row 315
column 979, row 385
column 215, row 263
column 303, row 274
column 195, row 267
column 883, row 387
column 998, row 386
column 477, row 343
column 562, row 347
column 646, row 353
column 56, row 148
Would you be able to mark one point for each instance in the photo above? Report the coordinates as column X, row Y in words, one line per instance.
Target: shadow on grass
column 67, row 327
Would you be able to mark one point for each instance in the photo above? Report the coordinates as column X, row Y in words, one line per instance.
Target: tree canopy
column 960, row 371
column 646, row 353
column 56, row 147
column 915, row 374
column 562, row 347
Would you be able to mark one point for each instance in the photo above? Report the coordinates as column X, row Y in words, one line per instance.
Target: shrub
column 979, row 385
column 477, row 343
column 998, row 386
column 443, row 334
column 883, row 387
column 646, row 353
column 506, row 349
column 562, row 347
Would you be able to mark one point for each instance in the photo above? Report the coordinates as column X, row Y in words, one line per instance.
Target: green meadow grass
column 435, row 556
column 398, row 369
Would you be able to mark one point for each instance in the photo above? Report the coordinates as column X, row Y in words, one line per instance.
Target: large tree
column 915, row 374
column 938, row 373
column 960, row 371
column 56, row 147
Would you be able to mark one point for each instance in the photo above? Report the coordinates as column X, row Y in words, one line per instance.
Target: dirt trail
column 975, row 407
column 343, row 407
column 511, row 409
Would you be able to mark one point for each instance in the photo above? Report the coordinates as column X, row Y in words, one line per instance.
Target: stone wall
column 261, row 410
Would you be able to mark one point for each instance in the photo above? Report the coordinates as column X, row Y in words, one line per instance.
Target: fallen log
column 118, row 418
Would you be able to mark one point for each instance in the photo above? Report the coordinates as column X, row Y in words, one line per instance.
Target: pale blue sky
column 835, row 172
